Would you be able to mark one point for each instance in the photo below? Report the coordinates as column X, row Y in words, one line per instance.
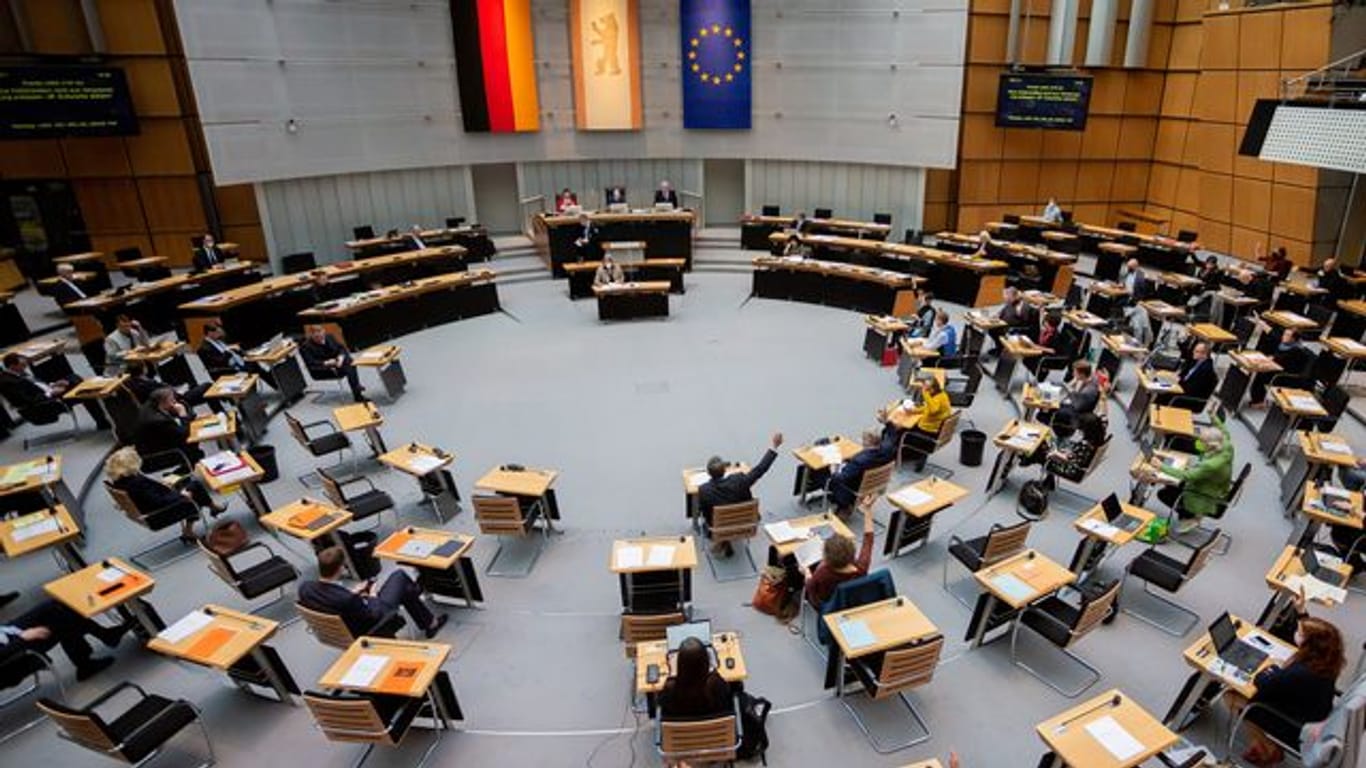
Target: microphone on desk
column 1113, row 701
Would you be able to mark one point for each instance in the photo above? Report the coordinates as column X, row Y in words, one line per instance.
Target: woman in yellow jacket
column 934, row 410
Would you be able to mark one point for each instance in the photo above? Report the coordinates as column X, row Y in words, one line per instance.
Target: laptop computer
column 1309, row 560
column 1116, row 516
column 1232, row 650
column 676, row 634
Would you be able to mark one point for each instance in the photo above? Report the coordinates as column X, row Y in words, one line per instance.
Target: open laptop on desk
column 676, row 634
column 1116, row 516
column 1231, row 649
column 1309, row 560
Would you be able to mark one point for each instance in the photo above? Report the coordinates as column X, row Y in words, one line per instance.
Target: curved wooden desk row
column 1112, row 247
column 253, row 313
column 581, row 274
column 863, row 289
column 154, row 303
column 475, row 240
column 667, row 234
column 956, row 277
column 1054, row 267
column 755, row 231
column 376, row 316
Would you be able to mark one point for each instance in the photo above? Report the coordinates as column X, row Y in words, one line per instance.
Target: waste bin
column 265, row 456
column 974, row 444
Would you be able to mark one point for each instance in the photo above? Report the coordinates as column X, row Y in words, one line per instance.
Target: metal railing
column 1328, row 74
column 527, row 208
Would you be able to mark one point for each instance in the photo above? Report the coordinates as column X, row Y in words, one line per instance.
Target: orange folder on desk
column 209, row 644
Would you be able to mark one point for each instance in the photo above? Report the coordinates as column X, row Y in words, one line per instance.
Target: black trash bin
column 265, row 456
column 974, row 444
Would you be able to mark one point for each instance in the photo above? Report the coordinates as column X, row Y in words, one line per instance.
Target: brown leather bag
column 226, row 537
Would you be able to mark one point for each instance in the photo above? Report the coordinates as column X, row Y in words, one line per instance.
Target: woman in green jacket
column 1204, row 483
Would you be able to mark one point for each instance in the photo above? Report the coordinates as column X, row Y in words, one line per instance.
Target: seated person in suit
column 127, row 336
column 586, row 244
column 1331, row 279
column 66, row 290
column 942, row 336
column 1291, row 355
column 1081, row 394
column 1135, row 282
column 934, row 410
column 923, row 322
column 1069, row 457
column 1197, row 376
column 566, row 199
column 208, row 255
column 616, row 195
column 49, row 624
column 1018, row 316
column 844, row 484
column 326, row 358
column 148, row 494
column 1205, row 482
column 141, row 383
column 1302, row 690
column 696, row 690
column 358, row 607
column 608, row 273
column 222, row 359
column 666, row 194
column 838, row 562
column 164, row 426
column 723, row 489
column 23, row 390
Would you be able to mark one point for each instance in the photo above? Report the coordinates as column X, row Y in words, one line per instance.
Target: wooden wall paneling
column 1159, row 46
column 987, row 39
column 31, row 159
column 1143, row 93
column 1058, row 180
column 237, row 203
column 55, row 26
column 979, row 92
column 1019, row 183
column 973, row 218
column 1093, row 181
column 95, row 156
column 1219, row 47
column 993, row 7
column 979, row 182
column 1299, row 175
column 1062, row 144
column 175, row 246
column 110, row 206
column 1169, row 146
column 1188, row 190
column 981, row 138
column 1162, row 181
column 1021, row 143
column 1192, row 152
column 1216, row 96
column 130, row 26
column 1101, row 138
column 110, row 242
column 1186, row 44
column 1092, row 213
column 1164, row 11
column 1034, row 40
column 1253, row 85
column 1217, row 144
column 1216, row 196
column 1251, row 167
column 1131, row 181
column 161, row 148
column 1178, row 94
column 1190, row 10
column 1251, row 203
column 1244, row 240
column 1259, row 40
column 171, row 204
column 1305, row 38
column 1213, row 235
column 935, row 217
column 1292, row 211
column 1107, row 92
column 250, row 239
column 1137, row 136
column 1181, row 220
column 151, row 85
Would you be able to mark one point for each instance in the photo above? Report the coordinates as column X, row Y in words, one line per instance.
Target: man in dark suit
column 1198, row 378
column 1018, row 316
column 1135, row 282
column 586, row 244
column 208, row 255
column 1292, row 356
column 666, row 194
column 49, row 624
column 616, row 196
column 358, row 608
column 845, row 483
column 326, row 358
column 222, row 359
column 1335, row 283
column 66, row 289
column 23, row 390
column 734, row 488
column 164, row 425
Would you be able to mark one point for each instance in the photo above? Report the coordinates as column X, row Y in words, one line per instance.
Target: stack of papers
column 1111, row 735
column 417, row 548
column 110, row 575
column 1012, row 587
column 33, row 530
column 660, row 555
column 856, row 633
column 1333, row 446
column 215, row 428
column 1304, row 403
column 811, row 551
column 1098, row 527
column 630, row 557
column 1314, row 589
column 699, row 479
column 364, row 671
column 192, row 623
column 424, row 463
column 782, row 532
column 911, row 496
column 830, row 453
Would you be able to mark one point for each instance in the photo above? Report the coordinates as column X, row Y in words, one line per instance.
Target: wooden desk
column 1246, row 364
column 153, row 303
column 1017, row 438
column 1014, row 348
column 242, row 393
column 1210, row 671
column 1288, row 407
column 1168, row 421
column 1318, row 512
column 384, row 358
column 431, row 467
column 883, row 333
column 656, row 654
column 311, row 519
column 474, row 241
column 863, row 289
column 1284, row 319
column 1148, row 472
column 114, row 399
column 281, row 367
column 806, row 525
column 385, row 313
column 165, row 359
column 1211, row 333
column 529, row 485
column 1151, row 384
column 41, row 476
column 1014, row 582
column 1083, row 319
column 693, row 479
column 667, row 234
column 220, row 638
column 442, row 559
column 893, row 623
column 362, row 417
column 1318, row 457
column 111, row 584
column 1072, row 742
column 627, row 301
column 1033, row 398
column 221, row 428
column 654, row 573
column 241, row 480
column 581, row 274
column 1100, row 538
column 1285, row 576
column 914, row 507
column 36, row 531
column 816, row 462
column 401, row 668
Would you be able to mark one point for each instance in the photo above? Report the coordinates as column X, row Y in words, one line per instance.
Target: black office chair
column 772, row 210
column 325, row 441
column 1186, row 236
column 252, row 571
column 127, row 254
column 1062, row 623
column 294, row 263
column 25, row 669
column 135, row 734
column 962, row 390
column 46, row 412
column 366, row 232
column 454, row 222
column 1155, row 568
column 1334, row 400
column 1073, row 298
column 368, row 503
column 999, row 543
column 1319, row 314
column 882, row 218
column 155, row 520
column 823, row 213
column 913, row 237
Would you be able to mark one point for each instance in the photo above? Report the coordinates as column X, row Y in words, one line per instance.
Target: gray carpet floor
column 619, row 409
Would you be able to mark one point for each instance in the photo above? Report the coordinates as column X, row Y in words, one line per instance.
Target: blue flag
column 716, row 63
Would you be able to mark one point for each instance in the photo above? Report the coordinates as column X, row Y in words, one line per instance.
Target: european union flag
column 716, row 63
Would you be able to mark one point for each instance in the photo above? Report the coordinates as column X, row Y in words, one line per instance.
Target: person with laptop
column 695, row 690
column 1205, row 483
column 838, row 562
column 361, row 608
column 1301, row 692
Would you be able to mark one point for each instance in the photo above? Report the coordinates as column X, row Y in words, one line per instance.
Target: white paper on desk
column 699, row 479
column 912, row 496
column 1304, row 403
column 1277, row 652
column 236, row 476
column 811, row 551
column 1021, row 441
column 660, row 554
column 110, row 575
column 1114, row 738
column 1333, row 446
column 630, row 557
column 423, row 463
column 1012, row 586
column 1099, row 527
column 40, row 528
column 364, row 671
column 782, row 532
column 190, row 624
column 830, row 454
column 417, row 548
column 1315, row 589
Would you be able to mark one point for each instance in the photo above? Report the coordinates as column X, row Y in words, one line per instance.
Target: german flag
column 494, row 65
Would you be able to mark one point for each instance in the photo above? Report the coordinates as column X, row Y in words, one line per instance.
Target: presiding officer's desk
column 581, row 274
column 386, row 313
column 864, row 289
column 959, row 278
column 251, row 314
column 475, row 240
column 666, row 234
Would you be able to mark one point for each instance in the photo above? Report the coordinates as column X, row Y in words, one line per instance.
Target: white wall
column 371, row 84
column 851, row 191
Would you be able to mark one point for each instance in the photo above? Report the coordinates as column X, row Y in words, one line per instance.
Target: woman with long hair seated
column 1301, row 691
column 695, row 690
column 183, row 500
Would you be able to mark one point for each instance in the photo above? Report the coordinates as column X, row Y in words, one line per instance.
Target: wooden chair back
column 908, row 667
column 1200, row 557
column 80, row 727
column 709, row 741
column 731, row 522
column 1097, row 608
column 125, row 504
column 875, row 480
column 1005, row 542
column 348, row 720
column 947, row 430
column 646, row 628
column 296, row 429
column 499, row 516
column 219, row 565
column 331, row 488
column 327, row 627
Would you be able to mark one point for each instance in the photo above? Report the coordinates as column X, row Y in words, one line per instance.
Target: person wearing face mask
column 208, row 255
column 608, row 273
column 1294, row 359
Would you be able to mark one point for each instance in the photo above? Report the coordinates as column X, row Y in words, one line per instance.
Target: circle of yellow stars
column 718, row 32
